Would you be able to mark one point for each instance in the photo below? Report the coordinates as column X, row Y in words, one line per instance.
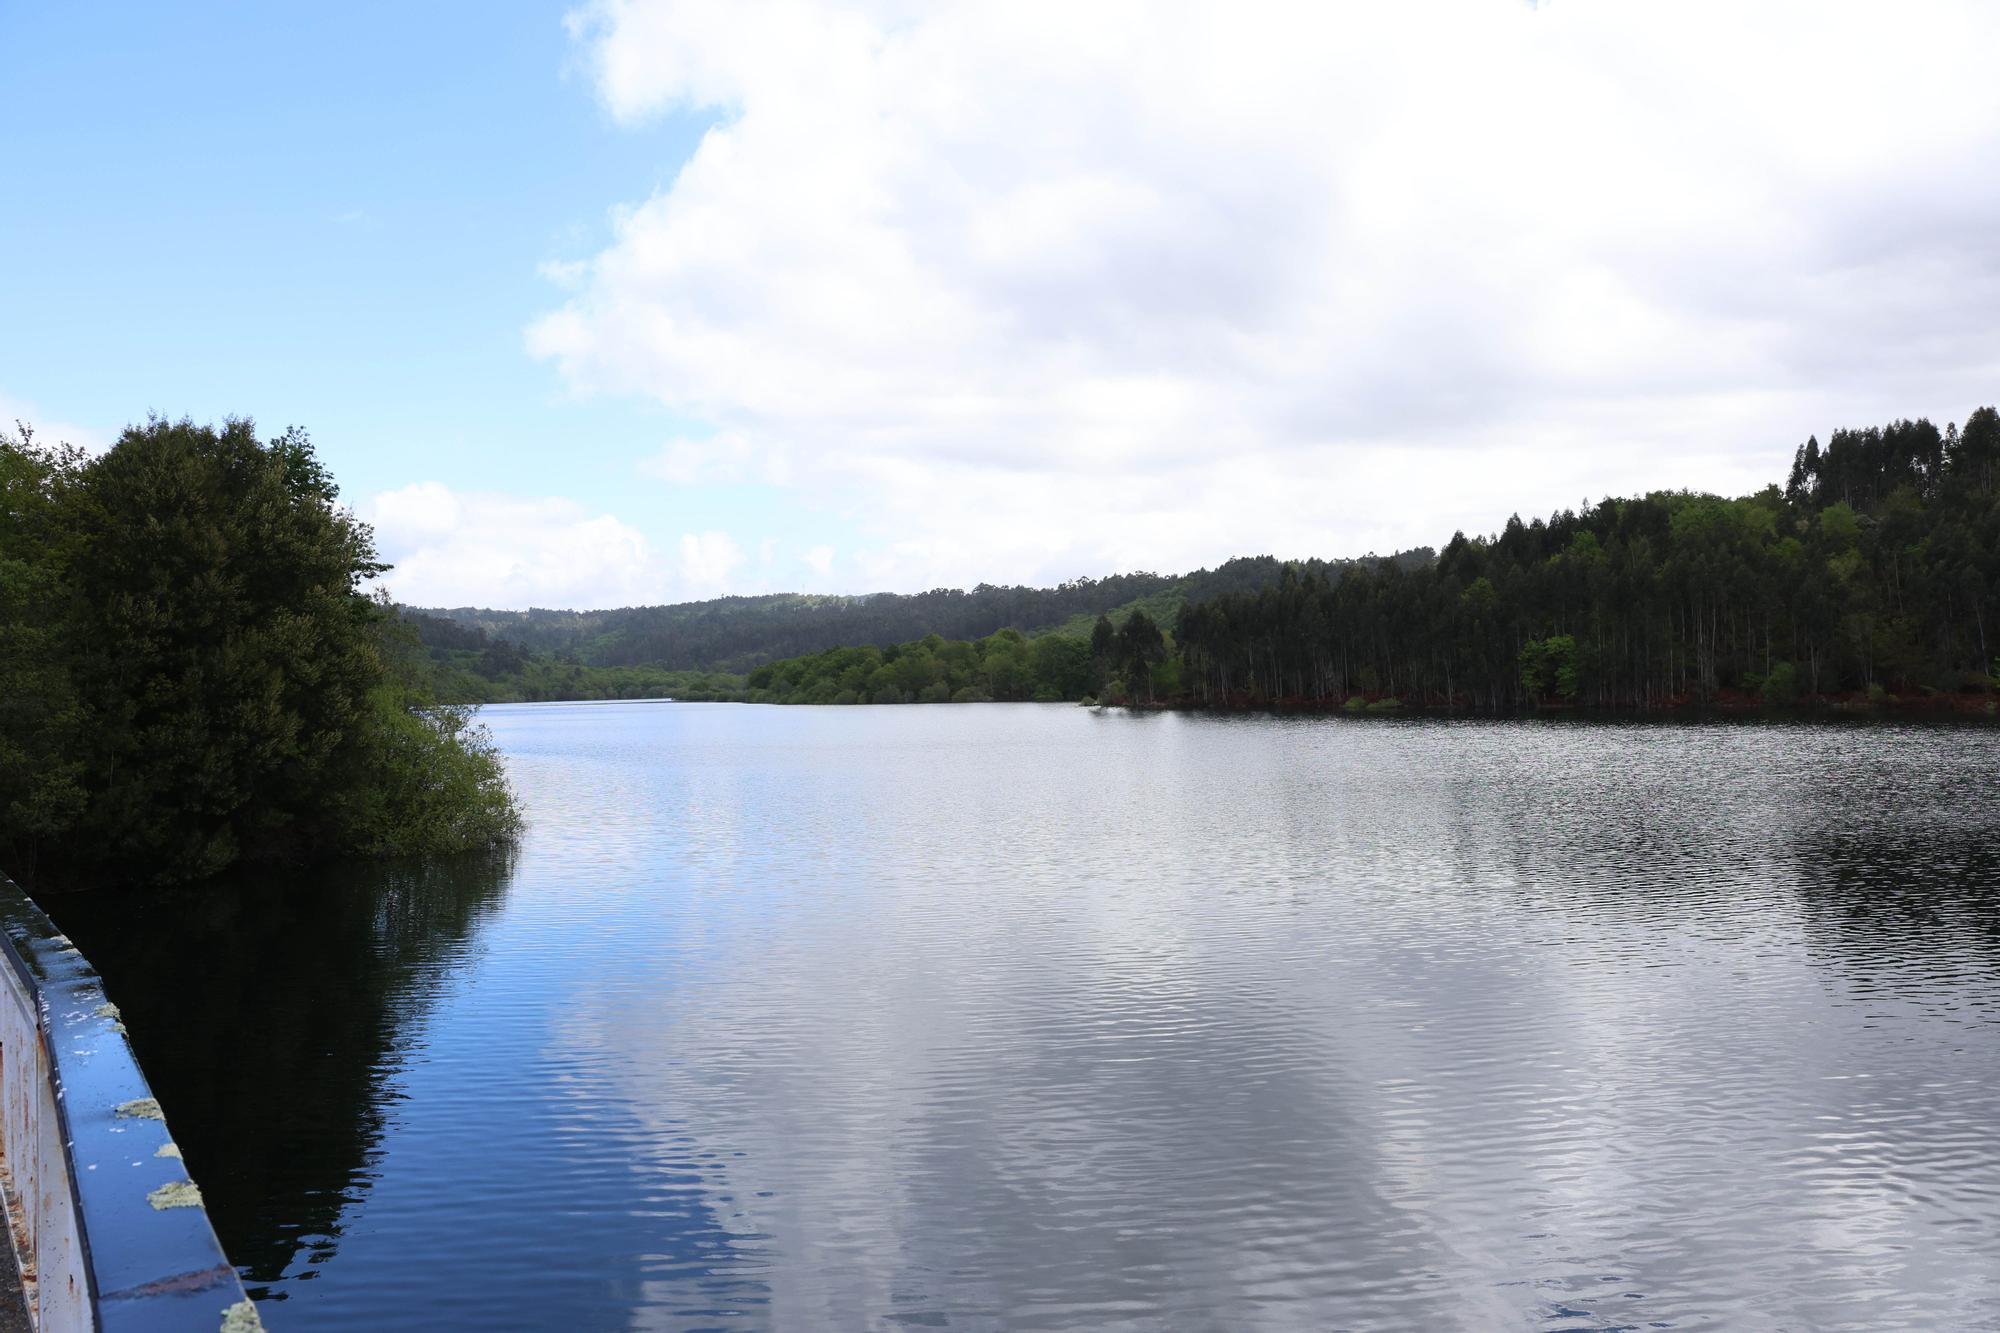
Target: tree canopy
column 1875, row 570
column 730, row 635
column 197, row 675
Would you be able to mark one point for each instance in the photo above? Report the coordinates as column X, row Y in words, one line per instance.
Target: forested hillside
column 1131, row 659
column 463, row 664
column 734, row 634
column 1873, row 572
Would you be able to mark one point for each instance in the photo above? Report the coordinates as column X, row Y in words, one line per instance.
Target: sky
column 648, row 300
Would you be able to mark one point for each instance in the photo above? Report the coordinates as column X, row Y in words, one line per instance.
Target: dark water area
column 1023, row 1016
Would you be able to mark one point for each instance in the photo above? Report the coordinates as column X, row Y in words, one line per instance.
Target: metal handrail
column 116, row 1231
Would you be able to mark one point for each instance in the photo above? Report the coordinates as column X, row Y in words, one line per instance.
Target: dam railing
column 108, row 1228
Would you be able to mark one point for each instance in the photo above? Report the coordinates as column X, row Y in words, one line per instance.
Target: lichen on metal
column 241, row 1318
column 176, row 1194
column 75, row 1098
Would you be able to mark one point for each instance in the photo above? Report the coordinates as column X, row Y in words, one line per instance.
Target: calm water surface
column 1032, row 1017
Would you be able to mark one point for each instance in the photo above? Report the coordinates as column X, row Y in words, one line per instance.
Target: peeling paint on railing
column 115, row 1232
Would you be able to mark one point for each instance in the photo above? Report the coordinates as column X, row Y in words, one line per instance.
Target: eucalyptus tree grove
column 1875, row 568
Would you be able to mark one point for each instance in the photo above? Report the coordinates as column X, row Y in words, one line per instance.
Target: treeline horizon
column 737, row 634
column 1004, row 667
column 1873, row 571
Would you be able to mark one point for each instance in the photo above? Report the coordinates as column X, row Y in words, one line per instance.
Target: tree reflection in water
column 269, row 1013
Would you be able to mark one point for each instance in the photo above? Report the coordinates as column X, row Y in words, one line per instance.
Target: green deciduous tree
column 41, row 791
column 198, row 621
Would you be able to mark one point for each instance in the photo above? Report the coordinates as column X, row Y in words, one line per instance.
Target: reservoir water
column 1019, row 1016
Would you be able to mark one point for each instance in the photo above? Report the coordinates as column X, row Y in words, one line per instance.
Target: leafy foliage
column 1006, row 665
column 464, row 664
column 1875, row 572
column 196, row 675
column 41, row 791
column 438, row 785
column 733, row 634
column 1548, row 667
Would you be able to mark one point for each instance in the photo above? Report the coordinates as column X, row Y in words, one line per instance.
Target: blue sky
column 643, row 300
column 334, row 216
column 328, row 214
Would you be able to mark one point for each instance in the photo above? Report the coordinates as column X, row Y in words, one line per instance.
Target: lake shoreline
column 1961, row 706
column 1969, row 707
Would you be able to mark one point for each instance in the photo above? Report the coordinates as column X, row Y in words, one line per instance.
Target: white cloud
column 728, row 457
column 459, row 548
column 707, row 560
column 16, row 412
column 820, row 560
column 1043, row 289
column 425, row 509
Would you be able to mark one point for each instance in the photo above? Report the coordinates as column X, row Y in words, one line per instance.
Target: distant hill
column 735, row 634
column 454, row 663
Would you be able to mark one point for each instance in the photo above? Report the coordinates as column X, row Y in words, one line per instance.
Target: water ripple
column 1030, row 1017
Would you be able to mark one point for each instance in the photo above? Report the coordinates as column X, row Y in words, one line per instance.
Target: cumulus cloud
column 1042, row 288
column 458, row 548
column 16, row 412
column 728, row 457
column 707, row 560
